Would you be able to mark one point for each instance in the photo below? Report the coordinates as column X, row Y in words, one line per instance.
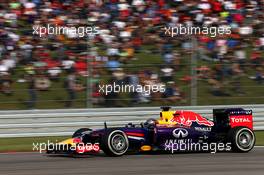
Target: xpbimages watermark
column 81, row 31
column 126, row 88
column 197, row 30
column 187, row 145
column 60, row 147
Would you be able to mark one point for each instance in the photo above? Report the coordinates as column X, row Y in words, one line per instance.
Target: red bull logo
column 188, row 117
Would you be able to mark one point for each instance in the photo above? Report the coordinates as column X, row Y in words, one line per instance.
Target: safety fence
column 61, row 122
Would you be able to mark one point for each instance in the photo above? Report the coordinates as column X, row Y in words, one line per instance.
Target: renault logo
column 180, row 133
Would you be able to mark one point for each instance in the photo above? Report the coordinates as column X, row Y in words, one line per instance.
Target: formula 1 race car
column 175, row 131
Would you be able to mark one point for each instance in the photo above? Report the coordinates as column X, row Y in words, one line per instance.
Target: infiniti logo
column 180, row 133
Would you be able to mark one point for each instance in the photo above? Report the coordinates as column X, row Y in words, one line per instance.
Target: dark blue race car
column 175, row 131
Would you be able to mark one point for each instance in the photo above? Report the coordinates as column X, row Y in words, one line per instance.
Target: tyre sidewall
column 107, row 146
column 233, row 137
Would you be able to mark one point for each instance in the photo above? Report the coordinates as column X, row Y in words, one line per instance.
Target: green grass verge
column 26, row 144
column 260, row 138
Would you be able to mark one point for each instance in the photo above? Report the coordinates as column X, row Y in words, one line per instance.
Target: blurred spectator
column 240, row 56
column 133, row 79
column 260, row 75
column 156, row 85
column 112, row 64
column 215, row 81
column 112, row 98
column 42, row 82
column 172, row 93
column 72, row 86
column 236, row 78
column 5, row 84
column 3, row 68
column 168, row 57
column 166, row 73
column 31, row 79
column 256, row 58
column 203, row 72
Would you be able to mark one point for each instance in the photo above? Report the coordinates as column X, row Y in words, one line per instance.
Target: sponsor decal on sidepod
column 188, row 117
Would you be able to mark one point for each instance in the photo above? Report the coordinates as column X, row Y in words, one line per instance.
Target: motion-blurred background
column 65, row 71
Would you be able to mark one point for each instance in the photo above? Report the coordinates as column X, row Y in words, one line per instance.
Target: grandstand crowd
column 128, row 28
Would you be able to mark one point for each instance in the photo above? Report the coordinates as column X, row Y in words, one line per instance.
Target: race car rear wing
column 233, row 117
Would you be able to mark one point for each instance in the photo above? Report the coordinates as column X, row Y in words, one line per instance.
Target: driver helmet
column 150, row 123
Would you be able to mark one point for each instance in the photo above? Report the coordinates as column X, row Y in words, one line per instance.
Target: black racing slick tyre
column 114, row 143
column 80, row 132
column 242, row 139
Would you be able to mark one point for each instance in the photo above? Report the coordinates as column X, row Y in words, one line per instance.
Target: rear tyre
column 114, row 143
column 80, row 132
column 242, row 139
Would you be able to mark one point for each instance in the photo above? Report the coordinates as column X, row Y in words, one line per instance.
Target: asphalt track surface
column 192, row 163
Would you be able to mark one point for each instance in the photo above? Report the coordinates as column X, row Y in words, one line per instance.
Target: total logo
column 180, row 133
column 238, row 120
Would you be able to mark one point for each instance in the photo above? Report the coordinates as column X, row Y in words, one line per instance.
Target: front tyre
column 242, row 139
column 115, row 143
